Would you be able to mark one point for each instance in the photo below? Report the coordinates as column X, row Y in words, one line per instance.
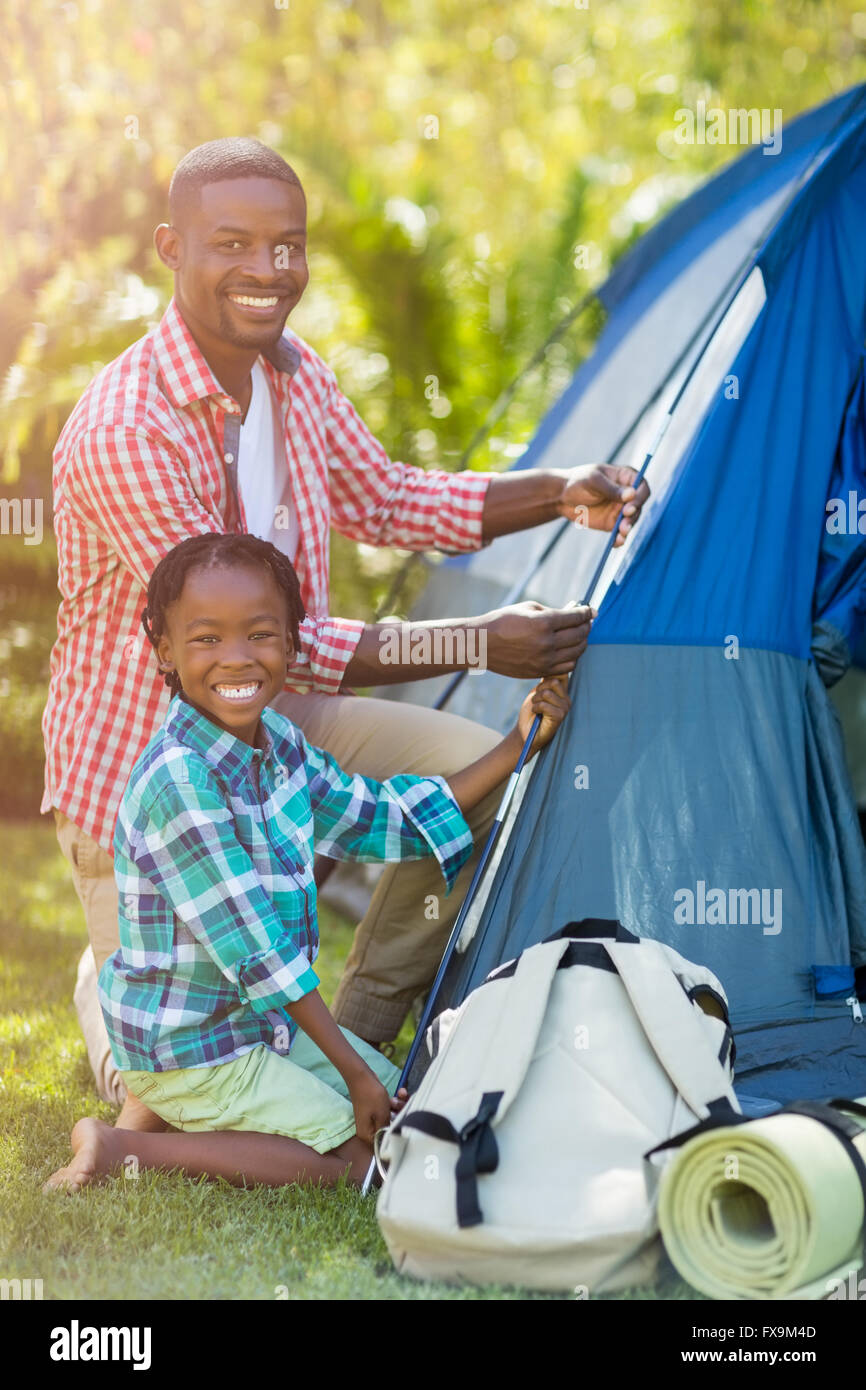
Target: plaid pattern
column 149, row 457
column 213, row 855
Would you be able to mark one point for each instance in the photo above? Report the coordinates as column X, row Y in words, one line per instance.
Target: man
column 217, row 420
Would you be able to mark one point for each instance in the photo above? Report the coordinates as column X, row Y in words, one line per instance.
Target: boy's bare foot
column 95, row 1150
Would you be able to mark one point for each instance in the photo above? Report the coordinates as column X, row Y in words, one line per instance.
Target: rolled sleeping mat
column 771, row 1208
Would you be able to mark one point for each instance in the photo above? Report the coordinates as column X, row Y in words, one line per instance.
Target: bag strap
column 478, row 1151
column 672, row 1027
column 522, row 1008
column 522, row 998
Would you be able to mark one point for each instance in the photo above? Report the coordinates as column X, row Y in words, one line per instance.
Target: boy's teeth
column 256, row 301
column 238, row 692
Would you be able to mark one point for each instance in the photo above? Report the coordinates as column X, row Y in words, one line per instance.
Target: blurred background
column 472, row 171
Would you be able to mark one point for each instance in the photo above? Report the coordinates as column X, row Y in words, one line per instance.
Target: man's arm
column 380, row 501
column 589, row 496
column 525, row 641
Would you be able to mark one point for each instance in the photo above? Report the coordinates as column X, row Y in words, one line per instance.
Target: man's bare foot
column 96, row 1149
column 135, row 1115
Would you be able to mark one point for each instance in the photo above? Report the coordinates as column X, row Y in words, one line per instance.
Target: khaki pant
column 93, row 876
column 399, row 943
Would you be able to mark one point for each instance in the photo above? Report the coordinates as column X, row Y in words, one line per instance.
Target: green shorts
column 299, row 1094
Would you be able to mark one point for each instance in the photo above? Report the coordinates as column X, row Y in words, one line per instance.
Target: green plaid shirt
column 213, row 857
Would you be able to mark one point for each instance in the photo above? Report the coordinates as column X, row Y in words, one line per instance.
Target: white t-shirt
column 263, row 471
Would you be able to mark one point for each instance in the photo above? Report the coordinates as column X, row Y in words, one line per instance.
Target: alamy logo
column 76, row 1343
column 713, row 907
column 408, row 645
column 22, row 516
column 737, row 126
column 846, row 517
column 23, row 1289
column 848, row 1288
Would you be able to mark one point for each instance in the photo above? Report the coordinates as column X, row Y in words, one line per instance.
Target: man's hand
column 371, row 1104
column 592, row 496
column 529, row 640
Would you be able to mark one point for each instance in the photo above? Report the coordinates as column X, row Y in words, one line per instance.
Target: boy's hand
column 398, row 1101
column 371, row 1104
column 549, row 699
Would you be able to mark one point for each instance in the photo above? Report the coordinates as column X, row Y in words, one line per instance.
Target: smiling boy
column 211, row 1000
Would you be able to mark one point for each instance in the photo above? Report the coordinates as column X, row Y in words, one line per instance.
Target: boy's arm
column 549, row 700
column 368, row 1096
column 403, row 817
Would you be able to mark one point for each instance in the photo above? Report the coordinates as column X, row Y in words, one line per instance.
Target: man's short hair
column 237, row 157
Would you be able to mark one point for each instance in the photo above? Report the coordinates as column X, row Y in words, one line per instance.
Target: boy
column 211, row 1001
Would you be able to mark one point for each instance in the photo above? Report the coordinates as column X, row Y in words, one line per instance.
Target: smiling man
column 221, row 419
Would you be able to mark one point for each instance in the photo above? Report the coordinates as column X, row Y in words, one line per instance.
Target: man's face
column 243, row 259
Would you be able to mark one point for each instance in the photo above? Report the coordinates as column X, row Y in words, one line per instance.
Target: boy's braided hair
column 215, row 551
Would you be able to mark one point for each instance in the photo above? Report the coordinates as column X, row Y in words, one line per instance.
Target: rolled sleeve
column 429, row 803
column 327, row 645
column 186, row 846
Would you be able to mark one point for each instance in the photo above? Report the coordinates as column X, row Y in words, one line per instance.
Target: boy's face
column 227, row 636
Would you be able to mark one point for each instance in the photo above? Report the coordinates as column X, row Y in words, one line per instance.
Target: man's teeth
column 256, row 301
column 238, row 692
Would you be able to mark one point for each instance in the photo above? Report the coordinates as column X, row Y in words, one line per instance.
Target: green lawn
column 158, row 1236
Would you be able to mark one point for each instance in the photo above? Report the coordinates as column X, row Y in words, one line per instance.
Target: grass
column 159, row 1236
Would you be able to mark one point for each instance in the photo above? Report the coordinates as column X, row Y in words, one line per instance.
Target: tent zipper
column 854, row 1004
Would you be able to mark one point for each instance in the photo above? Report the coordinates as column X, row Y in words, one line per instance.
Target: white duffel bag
column 519, row 1159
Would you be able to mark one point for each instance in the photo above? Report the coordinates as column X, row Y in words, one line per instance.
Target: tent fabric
column 839, row 630
column 733, row 778
column 702, row 747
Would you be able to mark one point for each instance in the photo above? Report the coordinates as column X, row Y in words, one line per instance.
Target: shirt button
column 229, row 458
column 226, row 402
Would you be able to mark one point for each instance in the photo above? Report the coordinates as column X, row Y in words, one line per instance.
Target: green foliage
column 451, row 171
column 28, row 626
column 471, row 174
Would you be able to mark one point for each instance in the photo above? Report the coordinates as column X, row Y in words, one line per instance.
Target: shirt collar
column 230, row 756
column 185, row 372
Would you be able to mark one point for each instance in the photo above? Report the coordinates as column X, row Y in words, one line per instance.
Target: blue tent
column 698, row 791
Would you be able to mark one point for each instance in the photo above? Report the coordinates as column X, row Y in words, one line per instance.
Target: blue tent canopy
column 698, row 791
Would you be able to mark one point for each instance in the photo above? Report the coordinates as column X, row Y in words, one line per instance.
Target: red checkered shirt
column 148, row 457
